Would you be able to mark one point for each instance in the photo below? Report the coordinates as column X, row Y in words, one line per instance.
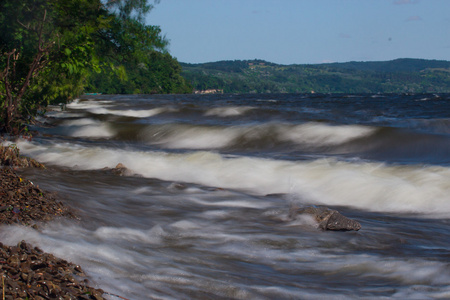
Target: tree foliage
column 51, row 50
column 137, row 55
column 126, row 9
column 41, row 41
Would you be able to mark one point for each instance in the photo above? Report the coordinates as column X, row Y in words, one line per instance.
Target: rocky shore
column 26, row 271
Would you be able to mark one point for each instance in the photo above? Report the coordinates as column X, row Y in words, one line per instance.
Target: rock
column 120, row 166
column 26, row 271
column 29, row 273
column 24, row 203
column 327, row 219
column 120, row 170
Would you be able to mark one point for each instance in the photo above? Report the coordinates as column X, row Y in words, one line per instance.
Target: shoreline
column 27, row 271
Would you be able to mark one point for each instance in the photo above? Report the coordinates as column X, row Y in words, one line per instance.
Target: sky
column 304, row 31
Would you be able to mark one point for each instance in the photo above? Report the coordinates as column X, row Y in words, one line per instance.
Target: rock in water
column 328, row 219
column 120, row 170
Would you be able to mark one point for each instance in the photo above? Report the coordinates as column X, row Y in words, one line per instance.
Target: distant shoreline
column 258, row 76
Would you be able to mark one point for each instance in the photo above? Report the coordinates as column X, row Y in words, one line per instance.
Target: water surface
column 203, row 211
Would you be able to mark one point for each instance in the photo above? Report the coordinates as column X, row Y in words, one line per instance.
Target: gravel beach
column 26, row 271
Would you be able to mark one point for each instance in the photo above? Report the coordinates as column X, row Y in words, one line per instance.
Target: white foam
column 318, row 134
column 229, row 111
column 127, row 113
column 101, row 131
column 80, row 122
column 216, row 214
column 192, row 137
column 181, row 136
column 87, row 104
column 87, row 128
column 98, row 107
column 235, row 203
column 186, row 225
column 371, row 186
column 152, row 236
column 63, row 115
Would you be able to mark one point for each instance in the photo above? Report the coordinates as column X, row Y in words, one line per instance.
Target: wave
column 228, row 111
column 402, row 145
column 324, row 134
column 97, row 107
column 87, row 104
column 370, row 186
column 369, row 142
column 312, row 134
column 84, row 128
column 128, row 113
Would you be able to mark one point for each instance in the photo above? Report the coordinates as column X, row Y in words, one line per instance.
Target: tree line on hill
column 258, row 76
column 53, row 50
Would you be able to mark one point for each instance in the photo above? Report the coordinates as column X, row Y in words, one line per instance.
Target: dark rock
column 120, row 170
column 327, row 219
column 24, row 203
column 29, row 273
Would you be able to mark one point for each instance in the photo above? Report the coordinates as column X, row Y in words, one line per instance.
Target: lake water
column 203, row 212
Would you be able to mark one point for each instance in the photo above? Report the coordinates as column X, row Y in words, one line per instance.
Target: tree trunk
column 16, row 88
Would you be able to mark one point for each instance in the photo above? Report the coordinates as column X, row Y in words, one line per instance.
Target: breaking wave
column 371, row 186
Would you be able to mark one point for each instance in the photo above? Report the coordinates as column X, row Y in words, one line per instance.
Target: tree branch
column 5, row 76
column 40, row 31
column 25, row 26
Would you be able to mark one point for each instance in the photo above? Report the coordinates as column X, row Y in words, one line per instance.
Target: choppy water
column 203, row 213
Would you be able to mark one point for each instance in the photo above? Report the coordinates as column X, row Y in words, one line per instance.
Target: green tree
column 136, row 54
column 51, row 50
column 45, row 46
column 126, row 9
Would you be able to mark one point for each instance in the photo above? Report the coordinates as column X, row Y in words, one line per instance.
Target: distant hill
column 258, row 76
column 397, row 65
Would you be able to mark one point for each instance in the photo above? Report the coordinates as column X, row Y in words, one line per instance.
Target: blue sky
column 304, row 31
